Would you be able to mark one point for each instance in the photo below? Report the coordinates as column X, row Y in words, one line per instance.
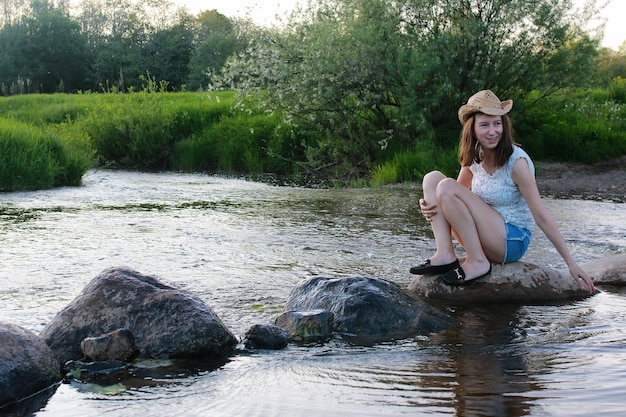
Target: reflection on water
column 242, row 246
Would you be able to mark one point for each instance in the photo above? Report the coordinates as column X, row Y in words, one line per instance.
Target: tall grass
column 32, row 159
column 139, row 130
column 43, row 110
column 237, row 143
column 412, row 165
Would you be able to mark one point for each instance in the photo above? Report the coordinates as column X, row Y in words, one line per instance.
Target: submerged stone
column 263, row 336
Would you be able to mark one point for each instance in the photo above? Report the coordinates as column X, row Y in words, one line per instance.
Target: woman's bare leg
column 441, row 228
column 479, row 227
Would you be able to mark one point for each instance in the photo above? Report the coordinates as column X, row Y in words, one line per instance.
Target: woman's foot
column 458, row 276
column 426, row 268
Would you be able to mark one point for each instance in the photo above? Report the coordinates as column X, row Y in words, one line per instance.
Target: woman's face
column 488, row 130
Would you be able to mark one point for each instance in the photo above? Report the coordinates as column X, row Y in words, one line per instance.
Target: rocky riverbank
column 602, row 181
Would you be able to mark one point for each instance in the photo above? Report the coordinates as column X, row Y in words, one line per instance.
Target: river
column 241, row 246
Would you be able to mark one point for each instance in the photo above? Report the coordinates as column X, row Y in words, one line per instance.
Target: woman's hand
column 581, row 277
column 428, row 211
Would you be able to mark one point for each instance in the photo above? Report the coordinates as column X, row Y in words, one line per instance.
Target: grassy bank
column 142, row 131
column 33, row 158
column 51, row 140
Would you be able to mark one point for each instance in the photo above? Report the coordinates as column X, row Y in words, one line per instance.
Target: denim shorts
column 517, row 241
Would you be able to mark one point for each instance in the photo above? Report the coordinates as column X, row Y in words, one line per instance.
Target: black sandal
column 427, row 269
column 457, row 276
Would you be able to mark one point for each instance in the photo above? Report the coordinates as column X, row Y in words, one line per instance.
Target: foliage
column 411, row 166
column 139, row 130
column 582, row 126
column 31, row 158
column 217, row 39
column 617, row 90
column 167, row 54
column 107, row 45
column 44, row 52
column 311, row 70
column 375, row 75
column 231, row 145
column 612, row 64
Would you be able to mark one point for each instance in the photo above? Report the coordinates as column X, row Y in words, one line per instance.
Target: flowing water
column 241, row 246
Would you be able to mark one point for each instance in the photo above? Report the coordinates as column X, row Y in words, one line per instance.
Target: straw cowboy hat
column 484, row 101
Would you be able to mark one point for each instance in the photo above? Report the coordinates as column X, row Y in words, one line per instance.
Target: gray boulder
column 167, row 322
column 27, row 366
column 523, row 282
column 368, row 310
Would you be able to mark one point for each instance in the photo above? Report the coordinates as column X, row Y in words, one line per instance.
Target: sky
column 263, row 12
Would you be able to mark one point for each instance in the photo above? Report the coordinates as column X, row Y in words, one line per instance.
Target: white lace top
column 500, row 192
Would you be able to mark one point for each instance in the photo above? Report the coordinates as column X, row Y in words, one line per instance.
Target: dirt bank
column 602, row 181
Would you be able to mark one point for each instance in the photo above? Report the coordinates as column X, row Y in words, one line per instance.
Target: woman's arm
column 528, row 187
column 465, row 177
column 429, row 209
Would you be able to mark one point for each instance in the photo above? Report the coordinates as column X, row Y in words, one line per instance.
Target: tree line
column 112, row 45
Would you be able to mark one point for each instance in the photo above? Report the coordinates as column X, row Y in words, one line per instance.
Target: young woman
column 493, row 205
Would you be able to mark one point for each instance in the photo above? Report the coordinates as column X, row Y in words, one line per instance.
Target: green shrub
column 197, row 153
column 134, row 132
column 617, row 90
column 140, row 130
column 584, row 127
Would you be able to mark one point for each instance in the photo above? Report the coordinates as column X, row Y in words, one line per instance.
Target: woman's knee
column 432, row 180
column 446, row 187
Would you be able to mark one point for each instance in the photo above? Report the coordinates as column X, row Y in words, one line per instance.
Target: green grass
column 31, row 158
column 412, row 165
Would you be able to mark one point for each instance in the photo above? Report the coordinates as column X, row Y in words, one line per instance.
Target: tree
column 10, row 41
column 511, row 46
column 116, row 31
column 215, row 41
column 167, row 53
column 128, row 38
column 11, row 11
column 51, row 50
column 328, row 71
column 377, row 73
column 612, row 63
